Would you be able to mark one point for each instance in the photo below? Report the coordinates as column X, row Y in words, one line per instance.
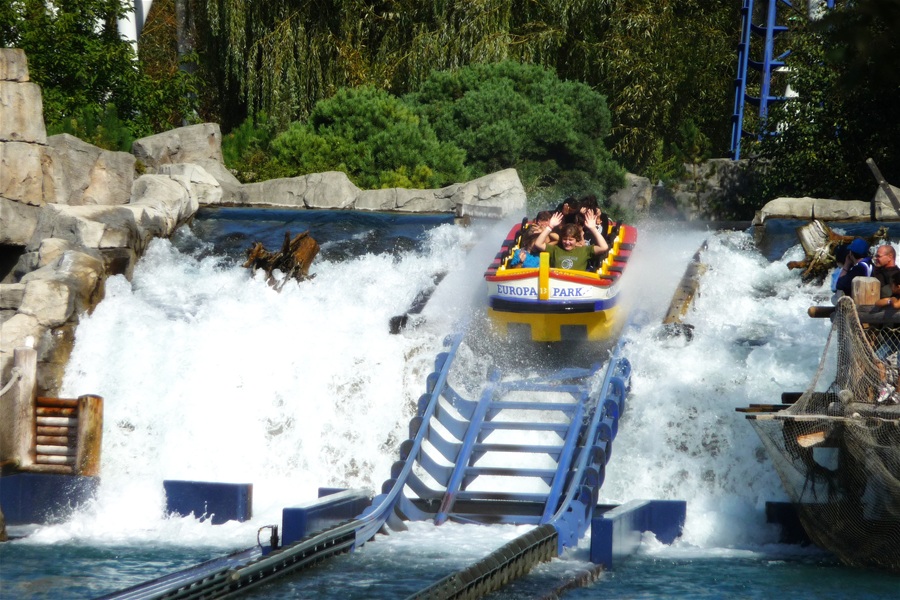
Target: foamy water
column 208, row 374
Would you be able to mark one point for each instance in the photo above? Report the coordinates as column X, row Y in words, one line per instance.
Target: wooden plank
column 46, row 459
column 54, row 469
column 48, row 430
column 56, row 411
column 54, row 440
column 57, row 421
column 64, row 402
column 54, row 450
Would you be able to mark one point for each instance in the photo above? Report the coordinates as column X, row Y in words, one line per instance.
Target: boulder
column 23, row 112
column 815, row 208
column 19, row 222
column 162, row 203
column 196, row 144
column 79, row 173
column 89, row 226
column 331, row 189
column 403, row 200
column 501, row 190
column 21, row 172
column 13, row 65
column 636, row 195
column 202, row 188
column 63, row 289
column 14, row 331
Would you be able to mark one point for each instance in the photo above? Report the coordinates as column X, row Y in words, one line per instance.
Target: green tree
column 659, row 62
column 523, row 116
column 91, row 82
column 373, row 137
column 845, row 70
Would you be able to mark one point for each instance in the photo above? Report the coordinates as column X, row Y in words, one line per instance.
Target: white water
column 208, row 374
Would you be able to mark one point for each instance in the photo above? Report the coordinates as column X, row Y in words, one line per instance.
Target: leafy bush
column 246, row 150
column 374, row 138
column 522, row 116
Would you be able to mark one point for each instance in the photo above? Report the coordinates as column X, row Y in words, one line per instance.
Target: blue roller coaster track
column 762, row 22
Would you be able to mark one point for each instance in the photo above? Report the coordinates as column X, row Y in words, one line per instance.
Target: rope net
column 837, row 448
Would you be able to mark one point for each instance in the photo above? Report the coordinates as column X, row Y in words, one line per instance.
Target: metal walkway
column 548, row 436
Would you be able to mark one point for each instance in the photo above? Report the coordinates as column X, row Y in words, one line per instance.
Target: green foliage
column 89, row 76
column 373, row 137
column 845, row 70
column 246, row 150
column 100, row 127
column 513, row 115
column 657, row 61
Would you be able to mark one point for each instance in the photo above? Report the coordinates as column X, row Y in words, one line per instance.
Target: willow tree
column 657, row 61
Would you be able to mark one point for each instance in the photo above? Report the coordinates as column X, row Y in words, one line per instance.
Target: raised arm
column 541, row 242
column 590, row 222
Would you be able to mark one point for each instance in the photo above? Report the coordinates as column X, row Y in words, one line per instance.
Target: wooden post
column 17, row 411
column 866, row 290
column 90, row 435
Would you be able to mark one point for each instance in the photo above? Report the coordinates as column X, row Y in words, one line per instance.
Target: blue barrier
column 38, row 498
column 617, row 532
column 331, row 508
column 220, row 502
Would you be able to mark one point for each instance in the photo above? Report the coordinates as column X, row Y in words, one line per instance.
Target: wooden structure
column 47, row 435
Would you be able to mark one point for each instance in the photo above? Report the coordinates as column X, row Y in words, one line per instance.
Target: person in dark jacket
column 857, row 264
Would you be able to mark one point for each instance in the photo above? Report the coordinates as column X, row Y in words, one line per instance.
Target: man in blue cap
column 857, row 264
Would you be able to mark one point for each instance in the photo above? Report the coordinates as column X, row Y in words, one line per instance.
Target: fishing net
column 837, row 447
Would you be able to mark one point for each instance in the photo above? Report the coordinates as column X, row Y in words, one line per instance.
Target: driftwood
column 819, row 243
column 293, row 260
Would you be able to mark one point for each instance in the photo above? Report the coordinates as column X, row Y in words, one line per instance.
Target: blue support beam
column 220, row 502
column 617, row 532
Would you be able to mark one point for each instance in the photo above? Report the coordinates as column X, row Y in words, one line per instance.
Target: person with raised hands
column 567, row 254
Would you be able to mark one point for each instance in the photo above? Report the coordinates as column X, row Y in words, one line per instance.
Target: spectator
column 885, row 263
column 892, row 301
column 857, row 264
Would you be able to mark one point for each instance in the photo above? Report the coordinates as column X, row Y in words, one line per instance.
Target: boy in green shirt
column 570, row 253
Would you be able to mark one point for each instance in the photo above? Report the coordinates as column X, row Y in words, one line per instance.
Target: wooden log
column 52, row 459
column 55, row 411
column 19, row 409
column 53, row 469
column 47, row 430
column 62, row 402
column 866, row 290
column 820, row 312
column 48, row 450
column 687, row 289
column 90, row 435
column 57, row 421
column 54, row 440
